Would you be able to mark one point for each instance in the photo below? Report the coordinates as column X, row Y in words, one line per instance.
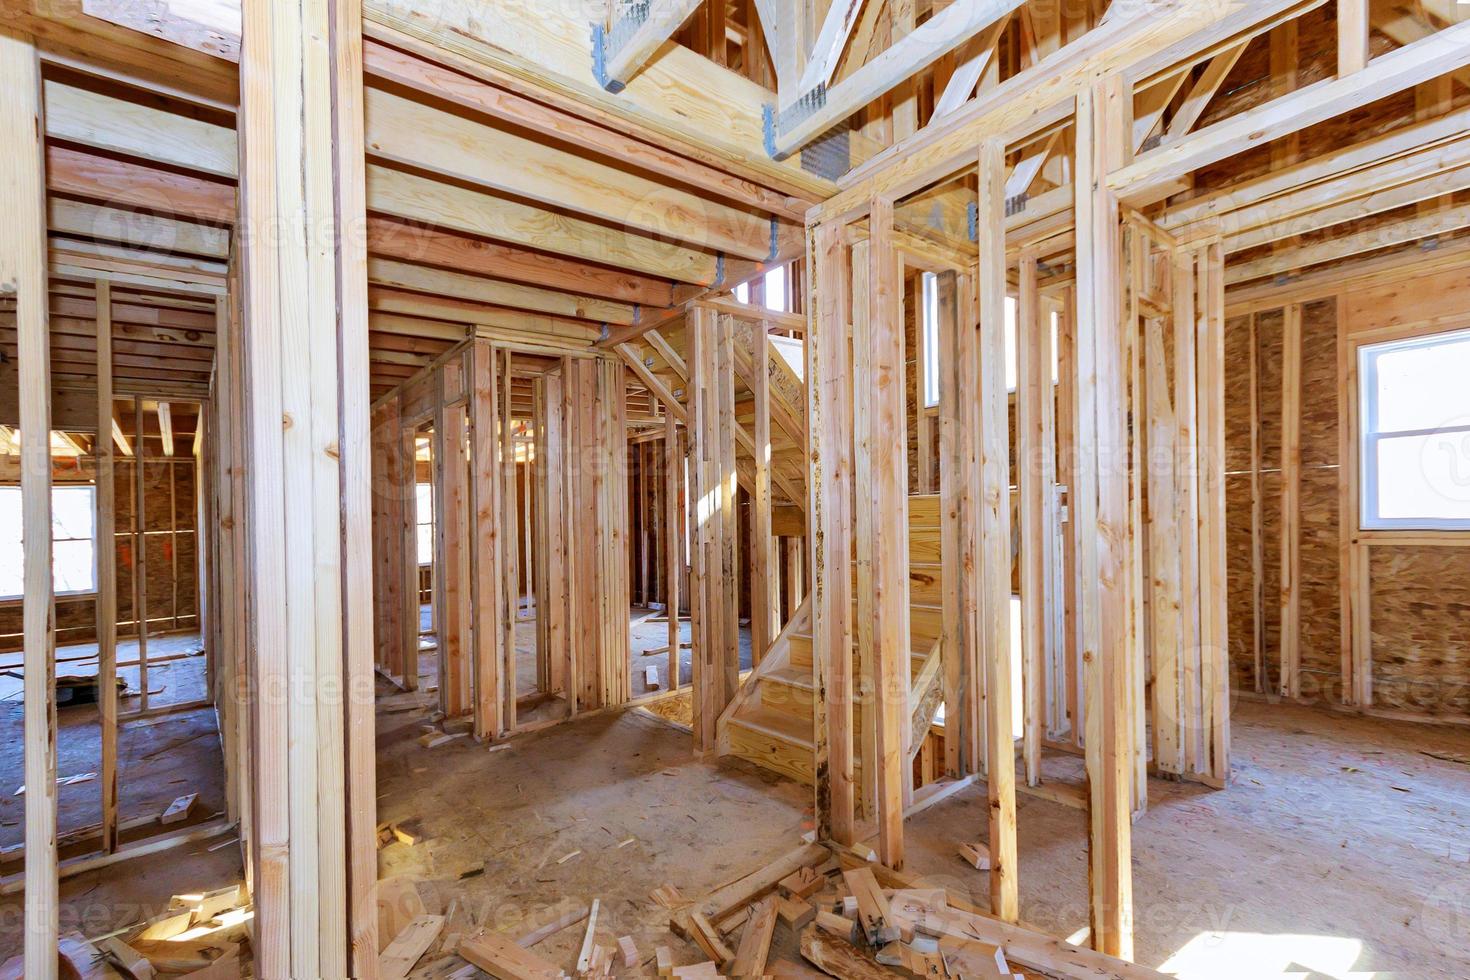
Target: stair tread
column 791, row 676
column 775, row 723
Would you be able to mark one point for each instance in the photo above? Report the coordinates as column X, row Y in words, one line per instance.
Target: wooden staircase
column 659, row 360
column 770, row 721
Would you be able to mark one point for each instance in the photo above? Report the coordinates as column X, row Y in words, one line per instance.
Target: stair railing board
column 926, row 697
column 777, row 658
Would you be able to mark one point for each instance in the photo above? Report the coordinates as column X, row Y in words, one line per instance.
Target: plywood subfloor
column 500, row 826
column 1341, row 849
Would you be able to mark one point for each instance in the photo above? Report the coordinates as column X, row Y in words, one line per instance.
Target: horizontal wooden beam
column 126, row 183
column 811, row 113
column 1150, row 177
column 423, row 279
column 629, row 41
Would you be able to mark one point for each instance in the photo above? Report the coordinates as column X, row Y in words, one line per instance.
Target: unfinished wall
column 1416, row 585
column 171, row 569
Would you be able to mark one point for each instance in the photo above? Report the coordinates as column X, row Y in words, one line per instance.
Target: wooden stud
column 885, row 392
column 1214, row 611
column 829, row 535
column 1036, row 430
column 1352, row 36
column 995, row 532
column 673, row 544
column 23, row 273
column 1291, row 490
column 1100, row 516
column 106, row 550
column 764, row 602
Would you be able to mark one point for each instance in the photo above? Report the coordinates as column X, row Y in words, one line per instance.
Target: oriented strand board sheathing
column 1240, row 582
column 1421, row 647
column 1321, row 608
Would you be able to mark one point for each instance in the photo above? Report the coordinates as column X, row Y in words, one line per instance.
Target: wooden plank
column 764, row 586
column 313, row 848
column 636, row 43
column 1035, row 427
column 829, row 537
column 942, row 33
column 23, row 272
column 884, row 392
column 1291, row 497
column 956, row 486
column 867, row 446
column 499, row 956
column 396, row 960
column 488, row 634
column 1102, row 503
column 1214, row 614
column 1152, row 174
column 106, row 571
column 755, row 941
column 673, row 544
column 1352, row 36
column 995, row 532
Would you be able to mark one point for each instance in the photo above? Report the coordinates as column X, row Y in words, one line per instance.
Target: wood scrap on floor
column 178, row 810
column 395, row 962
column 976, row 855
column 502, row 957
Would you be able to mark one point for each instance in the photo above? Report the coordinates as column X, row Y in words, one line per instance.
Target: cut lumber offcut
column 837, row 925
column 81, row 959
column 178, row 810
column 669, row 897
column 407, row 832
column 395, row 962
column 755, row 941
column 168, row 925
column 971, row 957
column 834, row 955
column 126, row 958
column 500, row 957
column 696, row 971
column 185, row 956
column 650, row 676
column 584, row 958
column 976, row 855
column 716, row 905
column 629, row 951
column 707, row 938
column 663, row 959
column 430, row 740
column 802, row 883
column 553, row 927
column 796, row 914
column 873, row 914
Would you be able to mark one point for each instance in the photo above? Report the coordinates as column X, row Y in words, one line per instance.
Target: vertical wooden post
column 1186, row 518
column 866, row 446
column 1291, row 500
column 1214, row 604
column 765, row 606
column 1036, row 430
column 1352, row 36
column 140, row 551
column 407, row 447
column 553, row 516
column 829, row 529
column 885, row 391
column 23, row 273
column 305, row 275
column 106, row 551
column 729, row 519
column 995, row 533
column 673, row 542
column 508, row 582
column 1100, row 516
column 488, row 635
column 959, row 480
column 1258, row 518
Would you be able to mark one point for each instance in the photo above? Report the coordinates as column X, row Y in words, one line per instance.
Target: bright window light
column 930, row 306
column 73, row 546
column 424, row 521
column 774, row 284
column 1012, row 371
column 1415, row 447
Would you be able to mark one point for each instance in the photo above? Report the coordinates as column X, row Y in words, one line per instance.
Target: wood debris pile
column 205, row 936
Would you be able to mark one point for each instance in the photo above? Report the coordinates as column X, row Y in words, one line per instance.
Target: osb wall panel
column 1320, row 592
column 1271, row 576
column 1239, row 581
column 1238, row 397
column 1320, row 595
column 1421, row 643
column 173, row 571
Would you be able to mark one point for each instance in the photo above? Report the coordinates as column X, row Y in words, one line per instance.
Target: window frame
column 1369, row 436
column 91, row 488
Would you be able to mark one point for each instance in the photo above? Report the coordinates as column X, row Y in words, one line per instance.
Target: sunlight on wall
column 1232, row 955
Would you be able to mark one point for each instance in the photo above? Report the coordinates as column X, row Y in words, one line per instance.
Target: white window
column 424, row 521
column 930, row 307
column 73, row 549
column 775, row 290
column 1416, row 433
